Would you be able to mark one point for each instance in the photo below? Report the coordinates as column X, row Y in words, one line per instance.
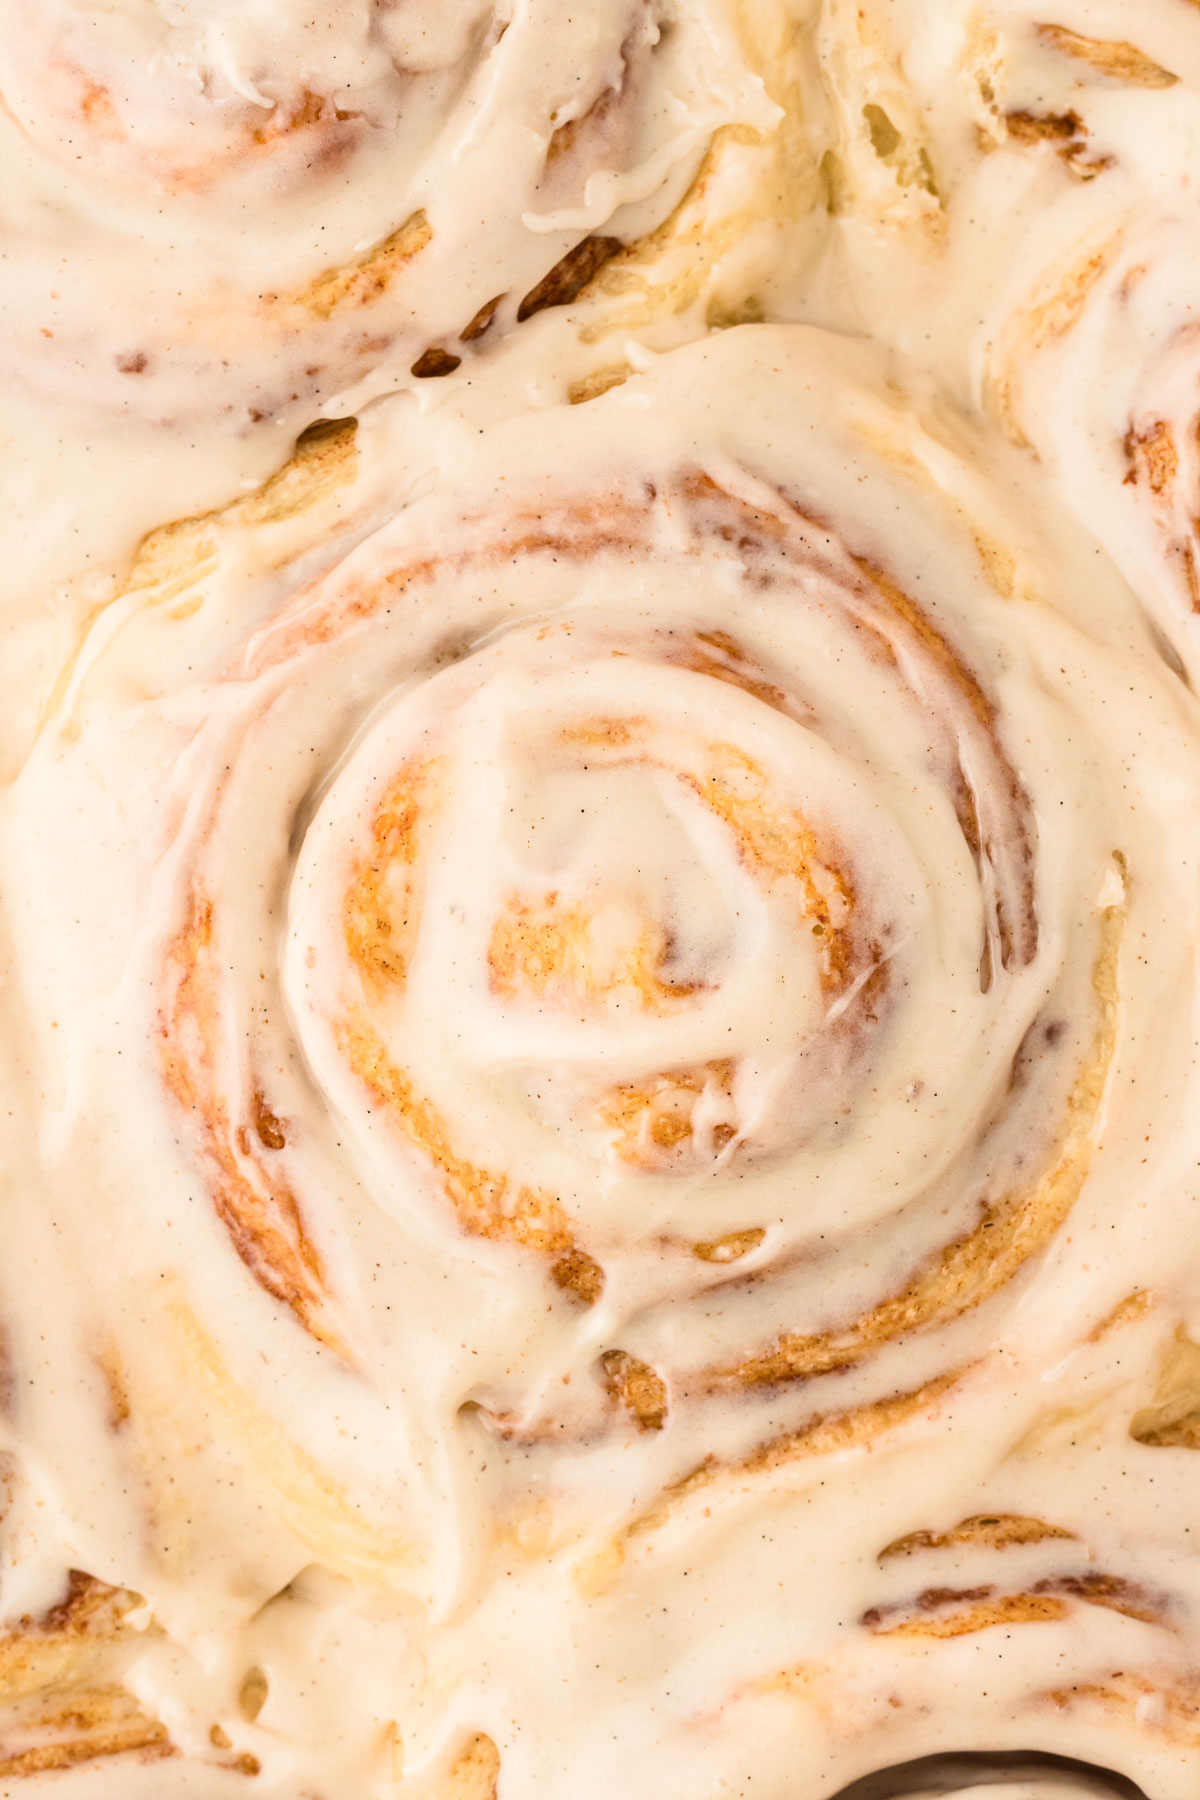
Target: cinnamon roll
column 227, row 214
column 1044, row 158
column 612, row 1027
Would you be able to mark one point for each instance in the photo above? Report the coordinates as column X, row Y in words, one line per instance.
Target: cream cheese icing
column 600, row 1015
column 1035, row 210
column 221, row 220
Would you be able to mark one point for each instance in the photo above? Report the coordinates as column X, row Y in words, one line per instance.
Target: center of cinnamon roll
column 573, row 917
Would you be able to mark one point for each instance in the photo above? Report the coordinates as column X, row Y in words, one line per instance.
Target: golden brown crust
column 570, row 275
column 634, row 1385
column 996, row 1531
column 1113, row 58
column 256, row 1206
column 60, row 1705
column 945, row 1612
column 1172, row 1420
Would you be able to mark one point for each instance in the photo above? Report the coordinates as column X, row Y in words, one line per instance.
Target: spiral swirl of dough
column 644, row 973
column 1040, row 161
column 272, row 205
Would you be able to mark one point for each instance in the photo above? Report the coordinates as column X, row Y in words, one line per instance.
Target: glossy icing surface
column 600, row 1005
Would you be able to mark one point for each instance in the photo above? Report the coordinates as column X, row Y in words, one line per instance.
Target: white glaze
column 407, row 1497
column 180, row 178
